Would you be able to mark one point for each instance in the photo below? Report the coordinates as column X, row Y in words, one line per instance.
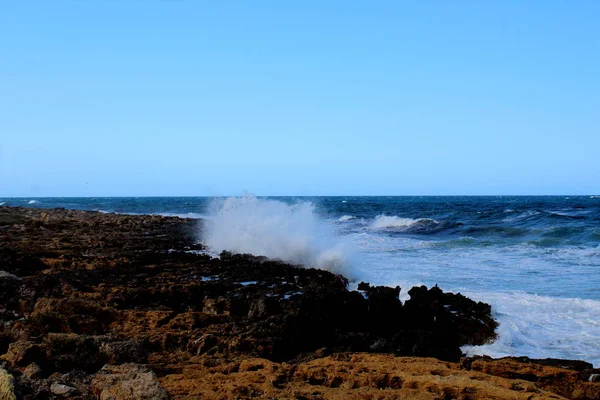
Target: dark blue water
column 535, row 259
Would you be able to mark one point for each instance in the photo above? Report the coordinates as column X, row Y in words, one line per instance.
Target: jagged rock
column 21, row 353
column 66, row 352
column 7, row 386
column 128, row 382
column 62, row 390
column 33, row 371
column 126, row 351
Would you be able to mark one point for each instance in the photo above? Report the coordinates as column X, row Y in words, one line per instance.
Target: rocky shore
column 105, row 306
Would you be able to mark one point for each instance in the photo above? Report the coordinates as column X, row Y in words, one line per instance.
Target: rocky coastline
column 107, row 306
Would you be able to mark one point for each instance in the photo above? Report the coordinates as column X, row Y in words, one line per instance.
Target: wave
column 542, row 326
column 2, row 203
column 506, row 231
column 32, row 202
column 393, row 222
column 525, row 215
column 345, row 218
column 464, row 241
column 290, row 232
column 566, row 214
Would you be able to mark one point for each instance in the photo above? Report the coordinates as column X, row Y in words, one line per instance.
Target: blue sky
column 111, row 98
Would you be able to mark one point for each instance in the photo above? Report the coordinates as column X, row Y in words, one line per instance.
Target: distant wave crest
column 395, row 222
column 345, row 218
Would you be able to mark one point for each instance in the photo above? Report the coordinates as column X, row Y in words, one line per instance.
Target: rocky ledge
column 128, row 307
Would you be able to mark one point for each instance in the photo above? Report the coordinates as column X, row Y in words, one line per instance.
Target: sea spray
column 290, row 232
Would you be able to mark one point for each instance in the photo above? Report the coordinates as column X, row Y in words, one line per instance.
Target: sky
column 160, row 98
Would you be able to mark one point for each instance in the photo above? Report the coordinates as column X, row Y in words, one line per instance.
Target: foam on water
column 345, row 218
column 32, row 202
column 391, row 221
column 542, row 326
column 507, row 277
column 272, row 228
column 191, row 215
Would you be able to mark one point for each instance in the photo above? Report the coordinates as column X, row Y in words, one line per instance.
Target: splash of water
column 290, row 232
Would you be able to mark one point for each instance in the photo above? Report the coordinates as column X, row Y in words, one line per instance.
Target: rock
column 10, row 286
column 22, row 353
column 66, row 352
column 128, row 382
column 123, row 289
column 547, row 374
column 33, row 371
column 264, row 308
column 7, row 386
column 19, row 264
column 62, row 390
column 73, row 316
column 126, row 351
column 8, row 275
column 203, row 344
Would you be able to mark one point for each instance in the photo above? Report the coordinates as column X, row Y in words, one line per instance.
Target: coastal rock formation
column 111, row 306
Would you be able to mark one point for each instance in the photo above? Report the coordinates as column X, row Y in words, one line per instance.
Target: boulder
column 128, row 382
column 22, row 353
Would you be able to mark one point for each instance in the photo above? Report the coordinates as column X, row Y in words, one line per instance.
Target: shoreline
column 105, row 289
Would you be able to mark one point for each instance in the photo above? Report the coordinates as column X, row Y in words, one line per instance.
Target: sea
column 535, row 259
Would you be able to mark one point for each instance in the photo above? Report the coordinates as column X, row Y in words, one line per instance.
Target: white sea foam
column 191, row 215
column 345, row 218
column 289, row 232
column 541, row 326
column 554, row 324
column 2, row 203
column 32, row 202
column 391, row 221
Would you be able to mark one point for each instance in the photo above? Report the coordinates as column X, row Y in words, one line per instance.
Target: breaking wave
column 398, row 224
column 345, row 218
column 541, row 326
column 290, row 232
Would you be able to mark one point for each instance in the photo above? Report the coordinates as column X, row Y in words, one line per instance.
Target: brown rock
column 22, row 353
column 128, row 382
column 7, row 386
column 33, row 371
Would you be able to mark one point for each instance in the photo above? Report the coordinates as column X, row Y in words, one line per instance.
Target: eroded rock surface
column 114, row 306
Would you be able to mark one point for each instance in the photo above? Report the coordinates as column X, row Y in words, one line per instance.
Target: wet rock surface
column 116, row 306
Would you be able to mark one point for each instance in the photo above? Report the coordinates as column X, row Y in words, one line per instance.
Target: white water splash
column 290, row 232
column 541, row 326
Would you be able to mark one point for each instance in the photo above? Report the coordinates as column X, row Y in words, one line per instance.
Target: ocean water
column 536, row 260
